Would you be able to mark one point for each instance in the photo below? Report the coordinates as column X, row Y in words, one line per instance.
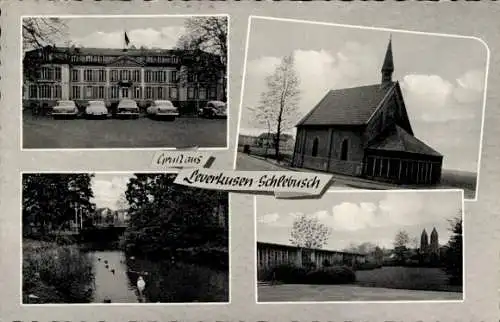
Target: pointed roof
column 348, row 106
column 388, row 65
column 397, row 139
column 424, row 232
column 434, row 231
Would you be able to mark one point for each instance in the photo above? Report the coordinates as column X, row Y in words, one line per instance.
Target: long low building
column 270, row 255
column 187, row 78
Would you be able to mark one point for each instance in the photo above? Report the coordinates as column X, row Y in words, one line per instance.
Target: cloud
column 470, row 87
column 164, row 38
column 353, row 216
column 108, row 190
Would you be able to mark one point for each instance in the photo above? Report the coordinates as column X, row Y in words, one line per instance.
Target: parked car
column 65, row 109
column 213, row 109
column 127, row 107
column 96, row 109
column 163, row 109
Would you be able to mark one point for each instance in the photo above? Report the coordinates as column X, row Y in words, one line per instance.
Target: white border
column 229, row 291
column 481, row 136
column 464, row 275
column 228, row 119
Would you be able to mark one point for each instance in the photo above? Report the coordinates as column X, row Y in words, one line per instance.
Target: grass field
column 410, row 278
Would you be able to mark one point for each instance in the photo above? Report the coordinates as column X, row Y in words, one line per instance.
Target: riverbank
column 54, row 273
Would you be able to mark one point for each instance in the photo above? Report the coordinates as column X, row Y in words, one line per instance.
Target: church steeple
column 388, row 66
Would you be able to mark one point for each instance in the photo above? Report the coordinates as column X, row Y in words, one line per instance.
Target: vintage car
column 96, row 109
column 65, row 109
column 213, row 109
column 127, row 107
column 163, row 109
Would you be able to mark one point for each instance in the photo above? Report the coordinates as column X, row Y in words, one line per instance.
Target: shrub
column 366, row 266
column 286, row 273
column 57, row 274
column 331, row 275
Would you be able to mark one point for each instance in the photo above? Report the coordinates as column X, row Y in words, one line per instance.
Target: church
column 366, row 132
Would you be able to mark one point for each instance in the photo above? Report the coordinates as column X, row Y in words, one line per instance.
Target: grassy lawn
column 323, row 293
column 411, row 278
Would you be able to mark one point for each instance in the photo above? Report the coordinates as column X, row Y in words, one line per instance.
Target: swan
column 141, row 284
column 107, row 266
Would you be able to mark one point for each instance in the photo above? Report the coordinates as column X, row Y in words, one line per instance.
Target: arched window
column 344, row 150
column 315, row 147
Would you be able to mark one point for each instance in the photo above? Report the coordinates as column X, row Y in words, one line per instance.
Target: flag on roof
column 127, row 40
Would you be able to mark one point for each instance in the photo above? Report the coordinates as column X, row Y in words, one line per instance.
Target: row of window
column 45, row 91
column 49, row 73
column 113, row 92
column 108, row 59
column 100, row 75
column 201, row 93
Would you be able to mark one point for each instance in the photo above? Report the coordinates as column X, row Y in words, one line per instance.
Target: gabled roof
column 349, row 106
column 283, row 136
column 397, row 139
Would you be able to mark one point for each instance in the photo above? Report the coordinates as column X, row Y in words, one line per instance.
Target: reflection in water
column 165, row 282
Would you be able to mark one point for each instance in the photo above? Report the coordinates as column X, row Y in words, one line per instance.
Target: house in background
column 268, row 140
column 365, row 131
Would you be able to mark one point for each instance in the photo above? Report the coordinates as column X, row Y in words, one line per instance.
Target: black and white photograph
column 119, row 82
column 122, row 238
column 377, row 108
column 382, row 246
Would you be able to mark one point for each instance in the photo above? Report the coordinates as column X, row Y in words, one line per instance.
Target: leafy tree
column 49, row 199
column 206, row 35
column 279, row 104
column 309, row 232
column 166, row 218
column 363, row 248
column 453, row 261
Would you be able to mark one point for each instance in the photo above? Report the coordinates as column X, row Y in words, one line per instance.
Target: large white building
column 187, row 78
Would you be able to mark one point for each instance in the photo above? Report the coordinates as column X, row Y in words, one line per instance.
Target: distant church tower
column 434, row 246
column 388, row 66
column 424, row 242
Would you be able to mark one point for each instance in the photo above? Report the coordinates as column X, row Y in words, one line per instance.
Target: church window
column 315, row 147
column 344, row 150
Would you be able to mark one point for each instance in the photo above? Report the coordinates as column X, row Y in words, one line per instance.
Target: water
column 166, row 282
column 118, row 287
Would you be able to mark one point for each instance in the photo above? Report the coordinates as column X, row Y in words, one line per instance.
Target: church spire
column 388, row 66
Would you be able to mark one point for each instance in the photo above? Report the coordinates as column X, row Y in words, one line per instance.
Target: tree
column 279, row 104
column 453, row 262
column 378, row 254
column 49, row 199
column 363, row 248
column 122, row 203
column 309, row 232
column 39, row 32
column 208, row 35
column 401, row 245
column 166, row 218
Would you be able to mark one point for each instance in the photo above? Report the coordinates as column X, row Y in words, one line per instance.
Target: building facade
column 187, row 78
column 270, row 255
column 365, row 131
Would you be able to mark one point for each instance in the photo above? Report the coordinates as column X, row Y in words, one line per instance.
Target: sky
column 108, row 188
column 109, row 32
column 442, row 78
column 358, row 217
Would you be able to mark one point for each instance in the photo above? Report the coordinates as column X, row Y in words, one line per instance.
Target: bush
column 57, row 274
column 285, row 273
column 331, row 275
column 366, row 266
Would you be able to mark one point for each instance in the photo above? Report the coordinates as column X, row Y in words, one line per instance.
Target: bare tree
column 402, row 239
column 279, row 104
column 122, row 202
column 40, row 32
column 207, row 34
column 309, row 232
